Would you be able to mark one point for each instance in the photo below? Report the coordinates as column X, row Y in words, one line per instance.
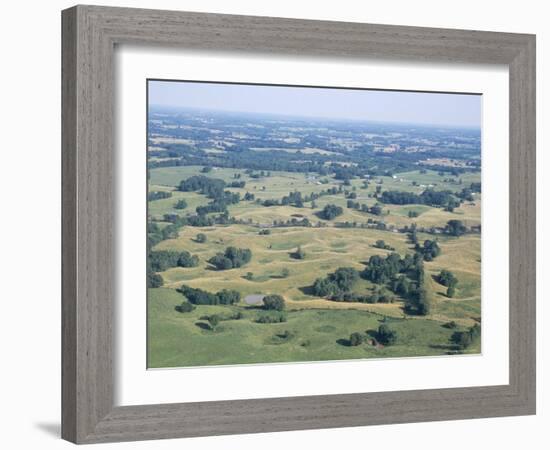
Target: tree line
column 161, row 260
column 200, row 297
column 158, row 195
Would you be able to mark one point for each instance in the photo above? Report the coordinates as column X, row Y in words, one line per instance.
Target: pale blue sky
column 381, row 106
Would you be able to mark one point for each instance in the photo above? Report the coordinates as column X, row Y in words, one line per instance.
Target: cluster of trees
column 215, row 319
column 293, row 198
column 448, row 279
column 180, row 204
column 375, row 209
column 463, row 339
column 405, row 277
column 292, row 222
column 201, row 297
column 379, row 295
column 155, row 234
column 220, row 203
column 467, row 193
column 232, row 258
column 455, row 228
column 336, row 285
column 274, row 302
column 185, row 307
column 356, row 339
column 428, row 197
column 384, row 335
column 211, row 187
column 260, row 174
column 161, row 260
column 158, row 195
column 154, row 280
column 272, row 318
column 429, row 250
column 330, row 212
column 381, row 270
column 237, row 184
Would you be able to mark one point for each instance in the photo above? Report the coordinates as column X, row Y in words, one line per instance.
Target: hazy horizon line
column 320, row 118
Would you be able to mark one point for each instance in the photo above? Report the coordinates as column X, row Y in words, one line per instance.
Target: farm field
column 277, row 239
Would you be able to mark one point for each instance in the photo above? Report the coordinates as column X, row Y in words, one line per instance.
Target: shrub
column 201, row 238
column 154, row 280
column 274, row 302
column 180, row 204
column 158, row 195
column 213, row 321
column 451, row 291
column 385, row 335
column 185, row 307
column 455, row 228
column 299, row 253
column 330, row 211
column 429, row 250
column 461, row 339
column 232, row 258
column 271, row 318
column 355, row 339
column 447, row 278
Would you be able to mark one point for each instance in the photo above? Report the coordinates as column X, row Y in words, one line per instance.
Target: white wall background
column 30, row 226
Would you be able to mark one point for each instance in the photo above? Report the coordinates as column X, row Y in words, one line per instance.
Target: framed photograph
column 277, row 224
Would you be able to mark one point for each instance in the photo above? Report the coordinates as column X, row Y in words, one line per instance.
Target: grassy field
column 308, row 335
column 280, row 184
column 317, row 328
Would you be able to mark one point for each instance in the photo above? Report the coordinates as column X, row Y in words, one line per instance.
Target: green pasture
column 184, row 339
column 315, row 326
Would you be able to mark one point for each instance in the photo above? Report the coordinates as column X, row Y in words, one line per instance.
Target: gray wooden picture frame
column 89, row 37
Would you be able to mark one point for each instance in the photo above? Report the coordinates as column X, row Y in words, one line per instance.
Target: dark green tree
column 180, row 204
column 455, row 228
column 213, row 321
column 330, row 212
column 385, row 335
column 355, row 339
column 154, row 280
column 185, row 307
column 274, row 302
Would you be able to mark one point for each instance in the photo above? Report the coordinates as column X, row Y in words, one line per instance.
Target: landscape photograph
column 294, row 224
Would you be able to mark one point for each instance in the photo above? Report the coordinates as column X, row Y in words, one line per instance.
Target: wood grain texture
column 89, row 36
